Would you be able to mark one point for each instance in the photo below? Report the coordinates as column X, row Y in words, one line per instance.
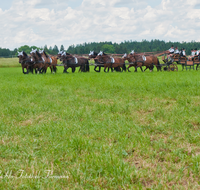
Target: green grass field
column 99, row 130
column 9, row 62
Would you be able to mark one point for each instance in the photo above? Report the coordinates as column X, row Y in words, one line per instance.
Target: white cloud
column 40, row 22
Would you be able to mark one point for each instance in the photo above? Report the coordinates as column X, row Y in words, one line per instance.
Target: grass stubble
column 99, row 130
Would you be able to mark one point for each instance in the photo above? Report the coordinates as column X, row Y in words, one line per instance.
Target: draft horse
column 93, row 55
column 110, row 62
column 139, row 60
column 72, row 61
column 50, row 62
column 26, row 62
column 38, row 62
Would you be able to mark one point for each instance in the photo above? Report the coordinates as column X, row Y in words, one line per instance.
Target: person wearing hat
column 197, row 52
column 182, row 52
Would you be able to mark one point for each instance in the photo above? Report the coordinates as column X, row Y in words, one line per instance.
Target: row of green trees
column 7, row 53
column 128, row 46
column 108, row 47
column 50, row 50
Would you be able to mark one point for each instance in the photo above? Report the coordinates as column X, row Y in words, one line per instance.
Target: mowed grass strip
column 100, row 130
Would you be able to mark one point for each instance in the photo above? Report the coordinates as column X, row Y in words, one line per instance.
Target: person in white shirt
column 192, row 55
column 197, row 52
column 170, row 51
column 176, row 51
column 182, row 52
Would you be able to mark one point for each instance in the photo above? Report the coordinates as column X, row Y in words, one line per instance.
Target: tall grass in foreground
column 99, row 130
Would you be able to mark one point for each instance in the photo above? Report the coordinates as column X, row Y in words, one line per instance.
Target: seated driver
column 176, row 51
column 182, row 53
column 190, row 58
column 170, row 51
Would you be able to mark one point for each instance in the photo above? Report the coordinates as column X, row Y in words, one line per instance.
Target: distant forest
column 108, row 47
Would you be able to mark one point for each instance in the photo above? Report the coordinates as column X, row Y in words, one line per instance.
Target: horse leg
column 141, row 69
column 65, row 69
column 73, row 69
column 112, row 70
column 105, row 66
column 23, row 69
column 98, row 70
column 27, row 69
column 124, row 67
column 35, row 70
column 145, row 68
column 135, row 69
column 40, row 69
column 51, row 69
column 31, row 70
column 82, row 68
column 55, row 68
column 151, row 67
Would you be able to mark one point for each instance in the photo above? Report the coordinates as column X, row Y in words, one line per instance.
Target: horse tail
column 124, row 67
column 87, row 67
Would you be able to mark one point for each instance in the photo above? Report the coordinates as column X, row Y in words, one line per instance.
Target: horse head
column 103, row 57
column 64, row 56
column 92, row 54
column 125, row 56
column 131, row 57
column 35, row 55
column 41, row 51
column 99, row 57
column 20, row 56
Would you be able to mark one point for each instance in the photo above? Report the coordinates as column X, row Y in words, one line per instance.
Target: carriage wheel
column 173, row 67
column 165, row 68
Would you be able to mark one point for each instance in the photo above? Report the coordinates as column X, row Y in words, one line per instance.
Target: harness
column 76, row 60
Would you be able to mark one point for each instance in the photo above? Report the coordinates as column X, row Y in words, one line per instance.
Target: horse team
column 40, row 61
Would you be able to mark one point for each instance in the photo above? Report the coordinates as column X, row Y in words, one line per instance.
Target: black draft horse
column 72, row 61
column 26, row 62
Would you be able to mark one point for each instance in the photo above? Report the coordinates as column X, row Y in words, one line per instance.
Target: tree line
column 108, row 47
column 128, row 46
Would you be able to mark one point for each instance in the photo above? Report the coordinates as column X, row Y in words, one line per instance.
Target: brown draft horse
column 139, row 60
column 72, row 61
column 26, row 62
column 93, row 55
column 49, row 61
column 110, row 62
column 38, row 62
column 61, row 55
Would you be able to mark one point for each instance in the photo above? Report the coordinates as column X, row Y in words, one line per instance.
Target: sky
column 68, row 22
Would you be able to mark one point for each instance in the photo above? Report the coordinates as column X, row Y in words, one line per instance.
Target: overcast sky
column 67, row 22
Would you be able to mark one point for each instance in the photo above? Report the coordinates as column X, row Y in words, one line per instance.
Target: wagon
column 172, row 64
